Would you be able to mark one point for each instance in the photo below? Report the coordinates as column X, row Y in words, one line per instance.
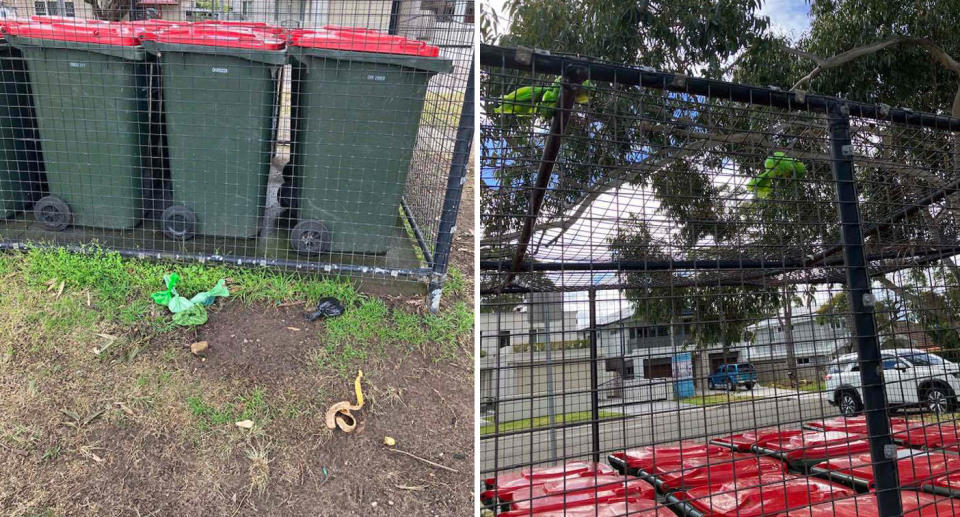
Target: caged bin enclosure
column 331, row 139
column 707, row 298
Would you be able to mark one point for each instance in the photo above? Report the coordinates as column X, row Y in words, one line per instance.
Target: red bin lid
column 360, row 40
column 142, row 26
column 115, row 34
column 216, row 36
column 258, row 26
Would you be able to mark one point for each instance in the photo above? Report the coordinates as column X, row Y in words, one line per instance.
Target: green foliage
column 543, row 421
column 252, row 406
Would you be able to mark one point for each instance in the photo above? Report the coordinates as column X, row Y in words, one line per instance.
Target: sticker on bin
column 931, row 436
column 756, row 497
column 744, row 442
column 812, row 446
column 714, row 469
column 115, row 34
column 216, row 36
column 847, row 424
column 620, row 508
column 360, row 40
column 915, row 504
column 914, row 468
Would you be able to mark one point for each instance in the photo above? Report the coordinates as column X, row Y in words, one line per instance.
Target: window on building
column 803, row 360
column 658, row 368
column 468, row 13
column 633, row 333
column 663, row 330
column 53, row 9
column 503, row 339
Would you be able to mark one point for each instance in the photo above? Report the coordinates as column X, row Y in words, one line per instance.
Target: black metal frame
column 854, row 259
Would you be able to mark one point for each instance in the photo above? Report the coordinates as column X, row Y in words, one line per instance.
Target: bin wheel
column 53, row 213
column 179, row 222
column 310, row 237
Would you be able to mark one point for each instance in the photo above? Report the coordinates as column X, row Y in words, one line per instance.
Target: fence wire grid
column 325, row 136
column 701, row 298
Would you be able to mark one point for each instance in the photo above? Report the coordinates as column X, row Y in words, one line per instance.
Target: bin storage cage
column 707, row 298
column 333, row 139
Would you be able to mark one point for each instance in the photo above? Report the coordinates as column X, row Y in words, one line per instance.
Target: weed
column 455, row 282
column 259, row 456
column 51, row 454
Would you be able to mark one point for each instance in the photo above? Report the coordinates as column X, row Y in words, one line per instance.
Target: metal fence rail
column 686, row 281
column 327, row 137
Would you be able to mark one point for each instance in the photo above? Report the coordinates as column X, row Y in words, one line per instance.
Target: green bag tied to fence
column 188, row 312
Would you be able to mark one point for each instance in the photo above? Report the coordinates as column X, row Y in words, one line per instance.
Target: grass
column 103, row 287
column 712, row 400
column 544, row 421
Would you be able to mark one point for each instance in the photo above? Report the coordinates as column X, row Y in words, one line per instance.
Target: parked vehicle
column 731, row 376
column 911, row 378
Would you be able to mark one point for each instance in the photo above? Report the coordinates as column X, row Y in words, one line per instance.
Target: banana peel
column 339, row 415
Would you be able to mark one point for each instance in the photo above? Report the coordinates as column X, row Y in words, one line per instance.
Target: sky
column 790, row 17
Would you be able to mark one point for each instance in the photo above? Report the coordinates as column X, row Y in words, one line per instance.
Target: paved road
column 663, row 422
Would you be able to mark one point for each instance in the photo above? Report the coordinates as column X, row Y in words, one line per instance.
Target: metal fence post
column 594, row 378
column 451, row 201
column 882, row 449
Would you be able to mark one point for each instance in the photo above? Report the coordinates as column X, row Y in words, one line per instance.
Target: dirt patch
column 166, row 444
column 258, row 345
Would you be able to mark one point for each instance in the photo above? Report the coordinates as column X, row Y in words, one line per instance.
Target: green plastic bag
column 164, row 297
column 179, row 305
column 195, row 315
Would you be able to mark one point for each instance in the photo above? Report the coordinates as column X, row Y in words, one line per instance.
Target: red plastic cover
column 216, row 36
column 619, row 485
column 613, row 507
column 631, row 507
column 814, row 445
column 745, row 441
column 645, row 458
column 101, row 33
column 360, row 40
column 934, row 435
column 851, row 424
column 915, row 504
column 914, row 468
column 716, row 470
column 502, row 485
column 767, row 495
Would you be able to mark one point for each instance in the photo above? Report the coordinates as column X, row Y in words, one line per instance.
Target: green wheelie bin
column 87, row 81
column 220, row 99
column 356, row 104
column 19, row 160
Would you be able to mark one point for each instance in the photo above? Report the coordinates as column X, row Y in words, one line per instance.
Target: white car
column 911, row 378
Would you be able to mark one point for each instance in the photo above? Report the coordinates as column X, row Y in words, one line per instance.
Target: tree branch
column 938, row 54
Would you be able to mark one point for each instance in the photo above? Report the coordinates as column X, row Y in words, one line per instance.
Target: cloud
column 788, row 17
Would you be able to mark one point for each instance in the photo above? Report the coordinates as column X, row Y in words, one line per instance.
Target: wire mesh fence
column 705, row 298
column 323, row 135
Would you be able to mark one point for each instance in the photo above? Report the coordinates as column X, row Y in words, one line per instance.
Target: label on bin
column 373, row 77
column 77, row 65
column 217, row 70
